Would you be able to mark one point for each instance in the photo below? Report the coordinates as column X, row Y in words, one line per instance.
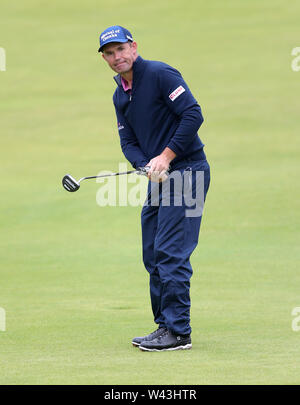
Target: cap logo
column 114, row 34
column 109, row 34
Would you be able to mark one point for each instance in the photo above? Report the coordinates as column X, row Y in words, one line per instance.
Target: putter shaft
column 71, row 184
column 107, row 175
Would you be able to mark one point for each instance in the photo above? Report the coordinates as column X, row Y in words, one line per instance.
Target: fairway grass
column 72, row 281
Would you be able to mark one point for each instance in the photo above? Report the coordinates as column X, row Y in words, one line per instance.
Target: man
column 158, row 119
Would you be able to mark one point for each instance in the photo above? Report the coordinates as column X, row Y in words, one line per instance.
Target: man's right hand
column 159, row 166
column 156, row 176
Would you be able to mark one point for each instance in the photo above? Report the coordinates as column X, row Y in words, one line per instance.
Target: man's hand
column 160, row 165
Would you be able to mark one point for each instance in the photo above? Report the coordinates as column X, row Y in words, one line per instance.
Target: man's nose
column 117, row 55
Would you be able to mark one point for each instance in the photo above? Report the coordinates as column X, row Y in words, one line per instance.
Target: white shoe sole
column 185, row 347
column 135, row 344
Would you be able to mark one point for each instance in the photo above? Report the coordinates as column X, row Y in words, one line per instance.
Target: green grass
column 71, row 275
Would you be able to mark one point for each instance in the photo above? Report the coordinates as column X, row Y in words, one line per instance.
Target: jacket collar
column 138, row 68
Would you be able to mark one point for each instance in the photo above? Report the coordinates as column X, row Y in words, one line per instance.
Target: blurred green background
column 72, row 281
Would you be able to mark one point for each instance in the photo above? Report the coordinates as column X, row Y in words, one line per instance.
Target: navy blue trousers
column 170, row 235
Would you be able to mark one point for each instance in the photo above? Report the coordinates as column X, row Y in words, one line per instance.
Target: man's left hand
column 160, row 165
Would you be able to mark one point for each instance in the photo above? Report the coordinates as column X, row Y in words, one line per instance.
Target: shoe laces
column 153, row 333
column 163, row 334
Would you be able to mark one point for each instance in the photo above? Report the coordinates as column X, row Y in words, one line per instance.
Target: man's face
column 120, row 56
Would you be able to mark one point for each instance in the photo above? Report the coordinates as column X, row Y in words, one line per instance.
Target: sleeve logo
column 120, row 126
column 176, row 93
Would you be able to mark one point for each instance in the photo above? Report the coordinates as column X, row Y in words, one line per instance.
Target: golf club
column 71, row 185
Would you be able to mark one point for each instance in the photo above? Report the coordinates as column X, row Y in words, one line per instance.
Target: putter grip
column 144, row 170
column 162, row 177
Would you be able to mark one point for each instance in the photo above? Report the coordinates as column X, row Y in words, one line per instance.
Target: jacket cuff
column 174, row 148
column 140, row 163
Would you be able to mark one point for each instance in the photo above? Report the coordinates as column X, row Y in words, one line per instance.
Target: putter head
column 69, row 183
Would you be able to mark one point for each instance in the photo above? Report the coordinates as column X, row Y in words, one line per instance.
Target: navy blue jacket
column 159, row 111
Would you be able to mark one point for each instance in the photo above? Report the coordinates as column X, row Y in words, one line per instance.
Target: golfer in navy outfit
column 158, row 119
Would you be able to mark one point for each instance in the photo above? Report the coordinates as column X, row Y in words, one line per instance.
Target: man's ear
column 134, row 47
